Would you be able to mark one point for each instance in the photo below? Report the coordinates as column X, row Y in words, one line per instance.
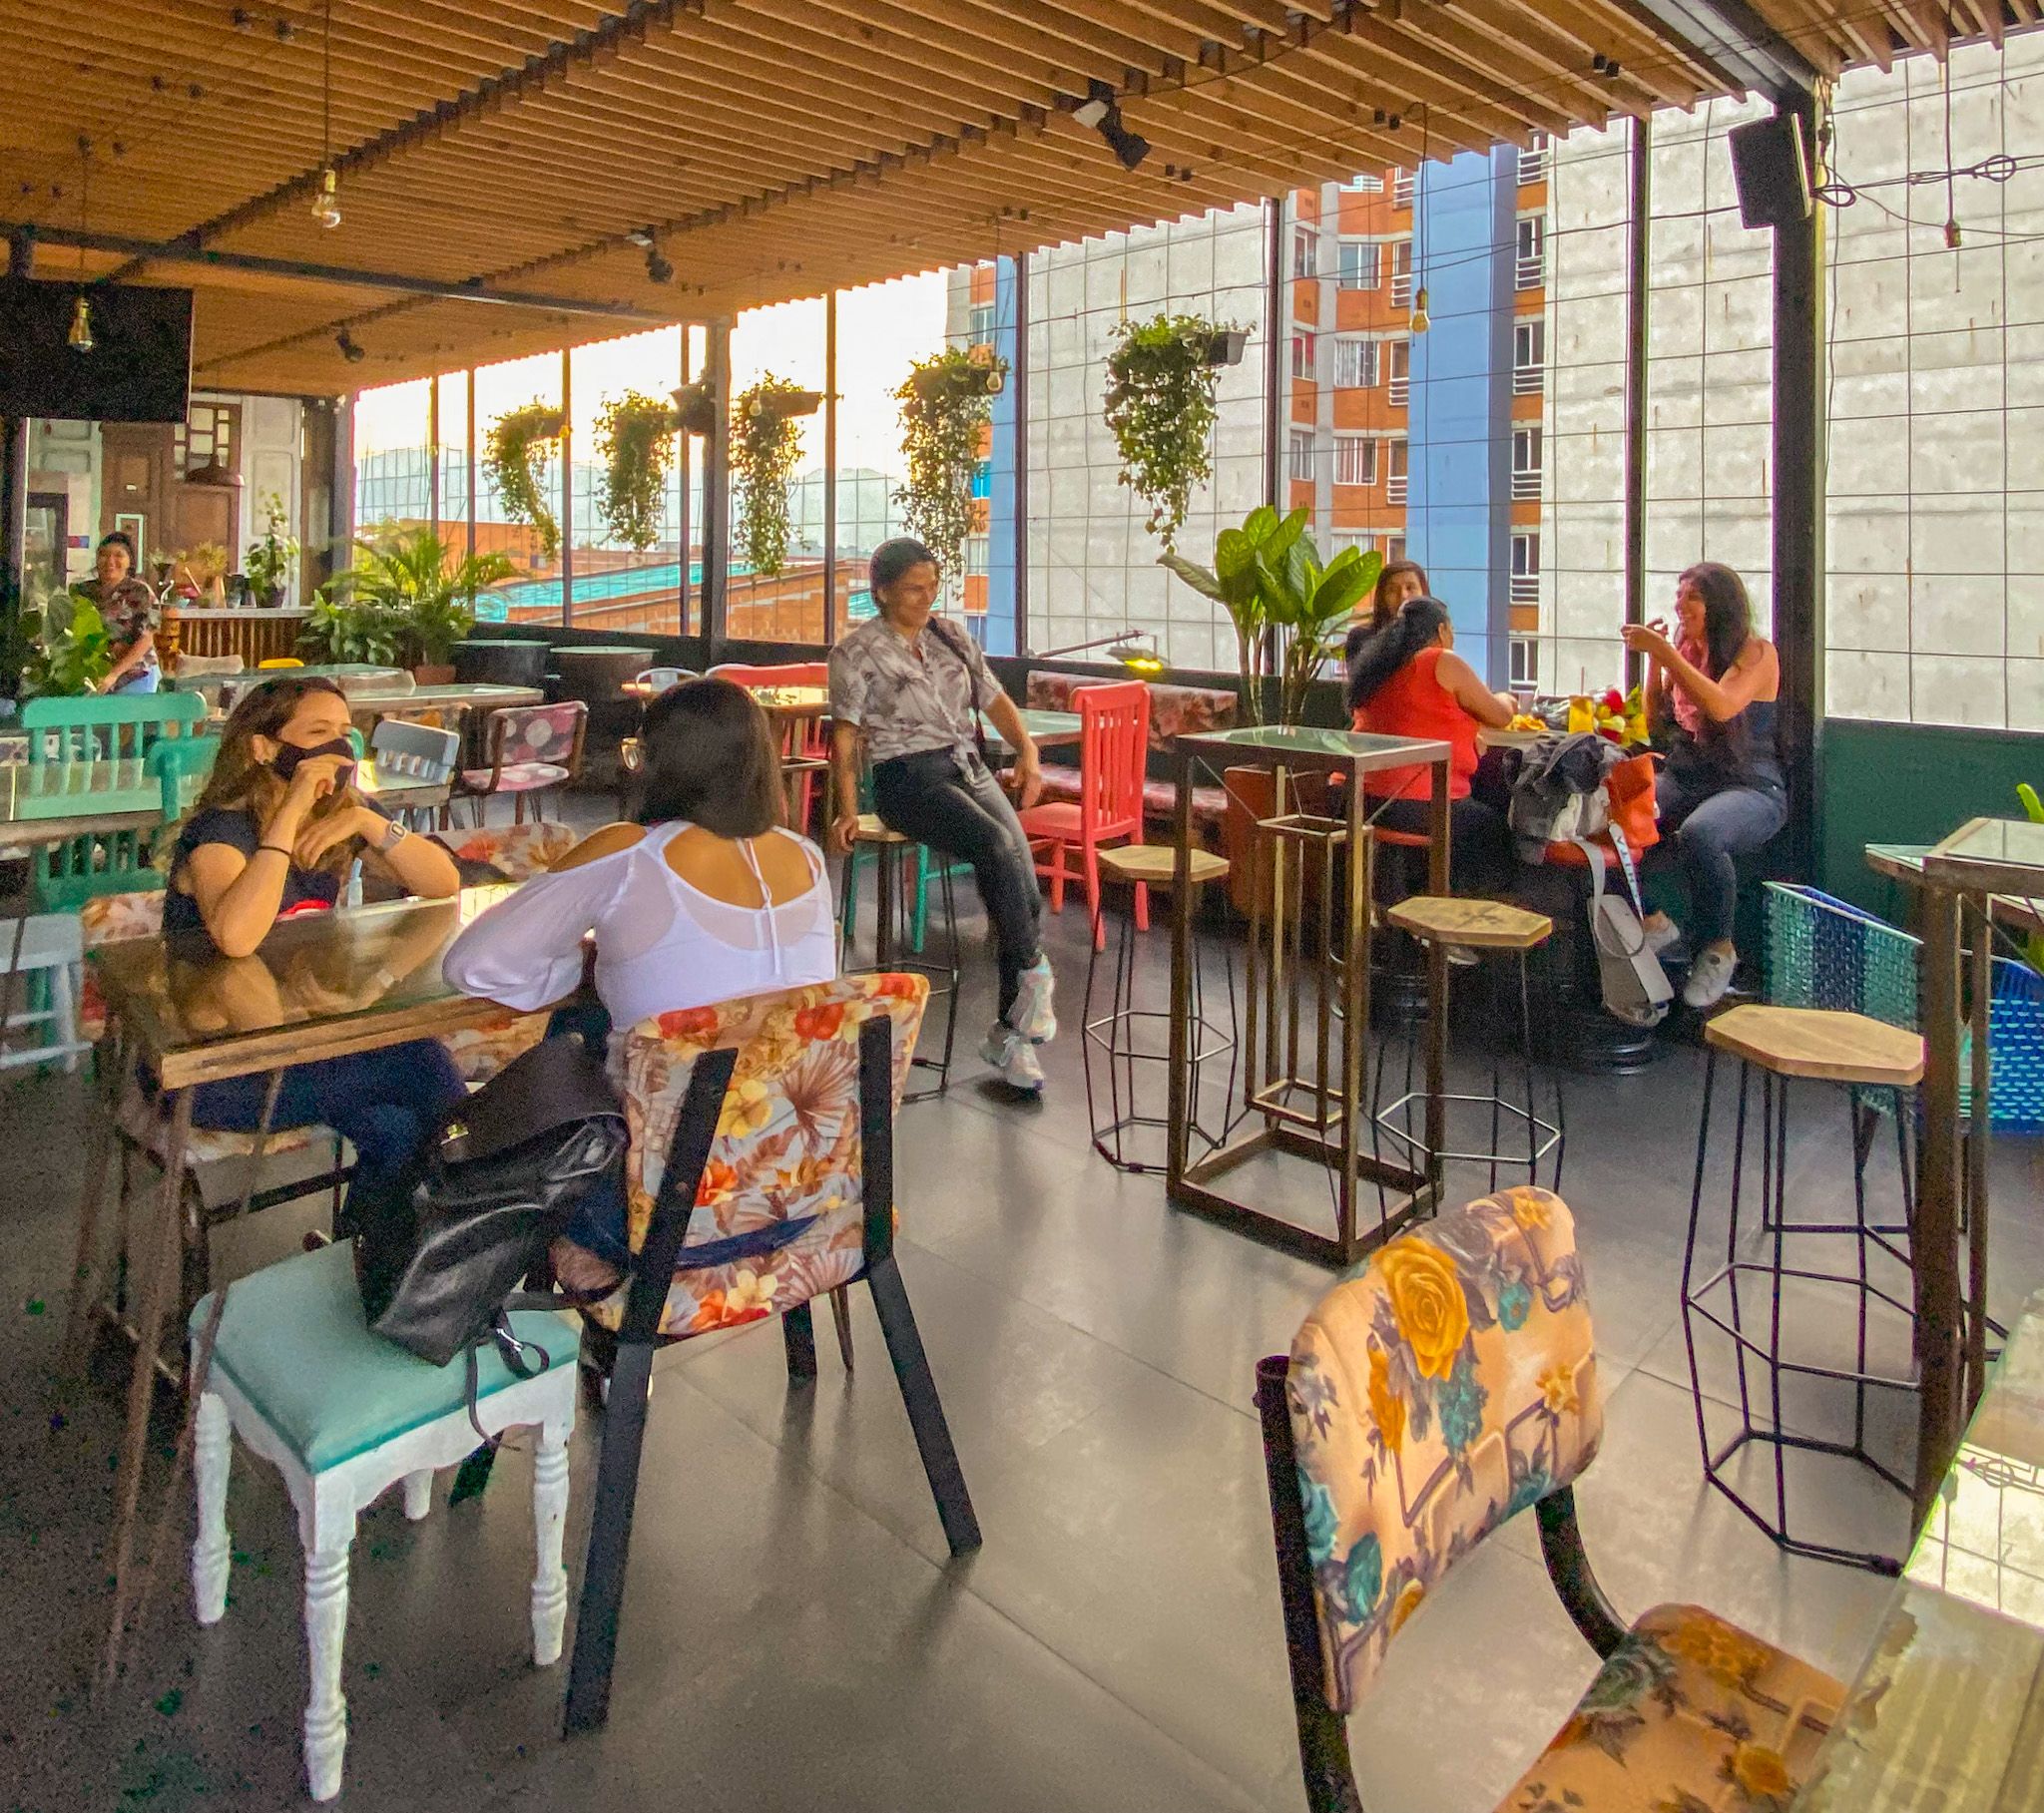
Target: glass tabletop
column 71, row 789
column 2005, row 854
column 182, row 1000
column 1355, row 750
column 1947, row 1712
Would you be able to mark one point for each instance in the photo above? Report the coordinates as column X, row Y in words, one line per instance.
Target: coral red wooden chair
column 1114, row 741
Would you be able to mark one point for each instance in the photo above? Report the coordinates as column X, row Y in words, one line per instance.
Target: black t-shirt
column 304, row 890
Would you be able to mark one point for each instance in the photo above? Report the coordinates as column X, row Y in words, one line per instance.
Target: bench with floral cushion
column 1174, row 711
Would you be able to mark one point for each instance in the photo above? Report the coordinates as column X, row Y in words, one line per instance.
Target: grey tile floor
column 794, row 1634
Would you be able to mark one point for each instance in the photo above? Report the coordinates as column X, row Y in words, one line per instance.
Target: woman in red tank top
column 1407, row 680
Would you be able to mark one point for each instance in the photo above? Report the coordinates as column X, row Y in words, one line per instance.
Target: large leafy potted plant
column 635, row 439
column 946, row 402
column 517, row 459
column 63, row 646
column 407, row 599
column 268, row 562
column 764, row 444
column 1288, row 609
column 1159, row 405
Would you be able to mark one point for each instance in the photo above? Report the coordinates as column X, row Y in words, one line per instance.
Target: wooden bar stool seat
column 890, row 849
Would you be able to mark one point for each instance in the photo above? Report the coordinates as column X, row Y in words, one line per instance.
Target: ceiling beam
column 1730, row 37
column 141, row 252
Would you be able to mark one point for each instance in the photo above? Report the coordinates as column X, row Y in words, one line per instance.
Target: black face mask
column 284, row 763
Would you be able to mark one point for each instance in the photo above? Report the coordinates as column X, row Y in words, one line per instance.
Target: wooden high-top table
column 1307, row 1086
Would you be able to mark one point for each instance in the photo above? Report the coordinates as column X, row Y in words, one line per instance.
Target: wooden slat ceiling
column 777, row 147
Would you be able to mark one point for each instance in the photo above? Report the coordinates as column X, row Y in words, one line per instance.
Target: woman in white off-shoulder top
column 706, row 898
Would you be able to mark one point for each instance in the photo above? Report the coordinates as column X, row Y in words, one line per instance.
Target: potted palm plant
column 406, row 598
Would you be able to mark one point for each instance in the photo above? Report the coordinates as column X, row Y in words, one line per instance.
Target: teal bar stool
column 345, row 1415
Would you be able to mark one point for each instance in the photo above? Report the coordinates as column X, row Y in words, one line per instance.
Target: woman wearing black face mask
column 274, row 830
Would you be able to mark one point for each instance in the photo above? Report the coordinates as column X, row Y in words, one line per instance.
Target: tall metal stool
column 1741, row 1297
column 1506, row 935
column 889, row 847
column 1118, row 1034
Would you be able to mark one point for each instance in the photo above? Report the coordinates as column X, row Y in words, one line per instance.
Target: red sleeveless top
column 1413, row 703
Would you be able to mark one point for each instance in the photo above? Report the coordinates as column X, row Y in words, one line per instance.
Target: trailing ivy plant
column 635, row 437
column 764, row 444
column 1160, row 410
column 517, row 456
column 947, row 403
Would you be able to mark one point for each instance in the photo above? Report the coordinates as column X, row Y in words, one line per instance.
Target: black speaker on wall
column 1768, row 165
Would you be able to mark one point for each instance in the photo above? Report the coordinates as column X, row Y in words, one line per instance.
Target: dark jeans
column 384, row 1103
column 950, row 803
column 1702, row 828
column 1480, row 859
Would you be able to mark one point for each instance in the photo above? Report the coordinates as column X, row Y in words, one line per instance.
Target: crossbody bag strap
column 942, row 631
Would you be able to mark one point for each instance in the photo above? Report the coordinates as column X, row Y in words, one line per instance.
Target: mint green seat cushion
column 294, row 1344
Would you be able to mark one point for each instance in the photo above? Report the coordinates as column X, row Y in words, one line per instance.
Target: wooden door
column 136, row 469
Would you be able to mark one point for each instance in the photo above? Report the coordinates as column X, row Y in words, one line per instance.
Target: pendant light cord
column 327, row 84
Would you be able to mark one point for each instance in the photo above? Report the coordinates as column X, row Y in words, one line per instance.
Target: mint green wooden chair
column 116, row 728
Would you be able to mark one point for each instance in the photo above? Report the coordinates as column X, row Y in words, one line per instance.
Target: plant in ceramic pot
column 63, row 646
column 945, row 405
column 410, row 599
column 764, row 444
column 268, row 562
column 518, row 458
column 1287, row 610
column 1159, row 406
column 635, row 439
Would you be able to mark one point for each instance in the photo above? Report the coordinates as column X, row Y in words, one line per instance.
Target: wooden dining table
column 325, row 985
column 1947, row 1712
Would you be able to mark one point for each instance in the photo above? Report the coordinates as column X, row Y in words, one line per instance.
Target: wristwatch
column 393, row 835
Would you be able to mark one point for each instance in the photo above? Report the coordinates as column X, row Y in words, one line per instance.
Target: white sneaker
column 1015, row 1058
column 1663, row 937
column 1708, row 977
column 1034, row 1014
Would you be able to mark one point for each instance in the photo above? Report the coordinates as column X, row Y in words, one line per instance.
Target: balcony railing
column 1525, row 589
column 1533, row 165
column 1401, row 188
column 1526, row 380
column 1525, row 485
column 1400, row 391
column 1401, row 289
column 1530, row 273
column 1395, row 487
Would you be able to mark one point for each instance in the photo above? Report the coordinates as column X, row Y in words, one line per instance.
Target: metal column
column 829, row 632
column 567, row 501
column 1799, row 543
column 1639, row 242
column 717, row 492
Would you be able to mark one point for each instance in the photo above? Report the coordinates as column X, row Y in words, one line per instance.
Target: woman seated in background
column 1405, row 679
column 127, row 608
column 1710, row 697
column 274, row 833
column 1396, row 582
column 706, row 898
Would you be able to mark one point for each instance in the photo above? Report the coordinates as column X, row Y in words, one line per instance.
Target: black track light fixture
column 351, row 349
column 1101, row 111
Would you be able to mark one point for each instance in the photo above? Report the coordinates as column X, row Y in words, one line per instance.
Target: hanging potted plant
column 946, row 402
column 517, row 457
column 635, row 438
column 1160, row 410
column 764, row 444
column 695, row 408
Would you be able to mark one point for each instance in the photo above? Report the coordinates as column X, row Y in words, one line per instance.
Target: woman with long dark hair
column 906, row 689
column 272, row 835
column 1405, row 679
column 1397, row 581
column 706, row 898
column 1710, row 697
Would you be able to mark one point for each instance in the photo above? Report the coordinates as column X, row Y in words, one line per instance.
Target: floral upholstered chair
column 1448, row 1386
column 533, row 749
column 759, row 1175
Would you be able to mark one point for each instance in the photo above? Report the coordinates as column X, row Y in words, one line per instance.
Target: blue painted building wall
column 1458, row 488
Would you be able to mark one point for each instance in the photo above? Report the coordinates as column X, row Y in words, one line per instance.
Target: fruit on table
column 1525, row 721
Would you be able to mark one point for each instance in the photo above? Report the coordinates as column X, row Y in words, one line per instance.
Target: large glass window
column 394, row 455
column 1934, row 538
column 616, row 586
column 788, row 341
column 534, row 597
column 1092, row 562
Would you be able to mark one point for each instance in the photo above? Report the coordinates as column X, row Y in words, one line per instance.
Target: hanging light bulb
column 1420, row 322
column 80, row 337
column 327, row 204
